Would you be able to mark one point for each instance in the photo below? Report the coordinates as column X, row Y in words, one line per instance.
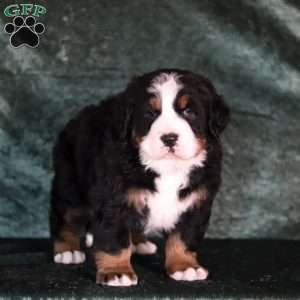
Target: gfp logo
column 24, row 30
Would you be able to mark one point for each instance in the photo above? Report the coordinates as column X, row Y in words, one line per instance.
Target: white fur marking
column 78, row 257
column 164, row 206
column 124, row 280
column 89, row 239
column 190, row 274
column 145, row 248
column 68, row 257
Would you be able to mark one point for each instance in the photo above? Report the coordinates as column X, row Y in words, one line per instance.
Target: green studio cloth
column 90, row 49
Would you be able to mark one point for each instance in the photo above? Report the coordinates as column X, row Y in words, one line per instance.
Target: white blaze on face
column 166, row 87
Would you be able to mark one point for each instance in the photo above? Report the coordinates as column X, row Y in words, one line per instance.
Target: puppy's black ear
column 219, row 115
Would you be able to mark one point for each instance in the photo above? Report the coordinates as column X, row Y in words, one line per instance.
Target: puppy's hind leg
column 66, row 240
column 68, row 214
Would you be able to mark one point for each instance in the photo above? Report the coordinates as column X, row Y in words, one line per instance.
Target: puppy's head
column 174, row 112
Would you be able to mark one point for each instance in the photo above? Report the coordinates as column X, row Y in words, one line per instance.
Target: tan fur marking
column 155, row 103
column 183, row 101
column 201, row 144
column 197, row 197
column 136, row 139
column 138, row 238
column 69, row 242
column 178, row 258
column 73, row 213
column 109, row 265
column 137, row 198
column 105, row 261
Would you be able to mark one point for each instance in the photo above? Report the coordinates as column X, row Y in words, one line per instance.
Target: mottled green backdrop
column 91, row 48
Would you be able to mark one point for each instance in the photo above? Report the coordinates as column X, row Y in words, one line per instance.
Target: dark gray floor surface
column 238, row 269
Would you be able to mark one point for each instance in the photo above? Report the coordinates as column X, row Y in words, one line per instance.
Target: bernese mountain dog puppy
column 142, row 163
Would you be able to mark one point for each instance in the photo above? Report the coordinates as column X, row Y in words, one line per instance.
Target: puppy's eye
column 151, row 114
column 188, row 113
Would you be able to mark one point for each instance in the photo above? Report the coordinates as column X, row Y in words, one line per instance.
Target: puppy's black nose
column 169, row 139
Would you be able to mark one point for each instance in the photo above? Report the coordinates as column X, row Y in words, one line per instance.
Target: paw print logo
column 24, row 32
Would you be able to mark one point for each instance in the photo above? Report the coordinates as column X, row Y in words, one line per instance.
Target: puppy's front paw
column 190, row 274
column 115, row 278
column 69, row 257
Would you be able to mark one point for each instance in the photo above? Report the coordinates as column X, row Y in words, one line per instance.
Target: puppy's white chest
column 164, row 206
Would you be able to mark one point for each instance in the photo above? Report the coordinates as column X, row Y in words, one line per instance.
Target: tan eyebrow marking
column 183, row 101
column 155, row 103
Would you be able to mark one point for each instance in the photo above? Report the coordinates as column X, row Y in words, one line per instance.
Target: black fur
column 96, row 161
